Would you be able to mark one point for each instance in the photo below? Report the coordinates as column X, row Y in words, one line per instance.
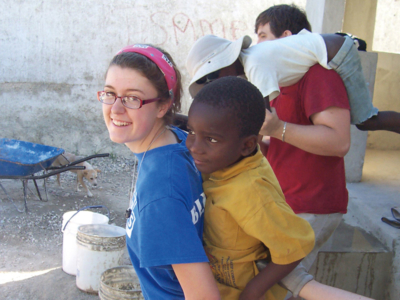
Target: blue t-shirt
column 166, row 223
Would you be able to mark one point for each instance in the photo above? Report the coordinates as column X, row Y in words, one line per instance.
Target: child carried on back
column 246, row 215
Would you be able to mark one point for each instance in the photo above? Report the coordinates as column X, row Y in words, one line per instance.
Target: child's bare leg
column 385, row 120
column 314, row 290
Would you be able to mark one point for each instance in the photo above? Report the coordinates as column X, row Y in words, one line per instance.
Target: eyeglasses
column 127, row 101
column 208, row 78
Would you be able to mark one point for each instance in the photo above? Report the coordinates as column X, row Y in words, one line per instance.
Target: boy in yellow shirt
column 246, row 216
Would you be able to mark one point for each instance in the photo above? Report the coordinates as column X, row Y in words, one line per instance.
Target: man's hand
column 329, row 135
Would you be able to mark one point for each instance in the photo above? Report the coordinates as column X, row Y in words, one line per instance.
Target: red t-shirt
column 311, row 183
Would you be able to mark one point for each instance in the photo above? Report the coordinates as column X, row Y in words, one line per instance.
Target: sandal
column 393, row 223
column 396, row 212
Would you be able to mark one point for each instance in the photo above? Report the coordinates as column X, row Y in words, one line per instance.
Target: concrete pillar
column 325, row 16
column 359, row 19
column 354, row 159
column 356, row 17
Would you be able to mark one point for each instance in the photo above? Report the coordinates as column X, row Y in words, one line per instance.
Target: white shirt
column 283, row 62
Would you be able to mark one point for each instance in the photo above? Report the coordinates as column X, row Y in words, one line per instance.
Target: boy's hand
column 272, row 126
column 270, row 275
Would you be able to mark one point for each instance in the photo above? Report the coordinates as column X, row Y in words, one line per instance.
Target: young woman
column 165, row 216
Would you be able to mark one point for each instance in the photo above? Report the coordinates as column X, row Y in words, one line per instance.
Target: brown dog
column 90, row 173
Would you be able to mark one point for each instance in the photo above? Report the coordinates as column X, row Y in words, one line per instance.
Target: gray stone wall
column 54, row 55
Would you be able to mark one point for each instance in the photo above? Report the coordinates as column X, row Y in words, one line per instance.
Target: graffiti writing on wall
column 181, row 28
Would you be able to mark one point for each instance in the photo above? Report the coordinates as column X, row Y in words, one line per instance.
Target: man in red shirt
column 310, row 134
column 309, row 130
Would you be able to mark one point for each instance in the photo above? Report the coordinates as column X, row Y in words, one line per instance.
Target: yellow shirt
column 247, row 219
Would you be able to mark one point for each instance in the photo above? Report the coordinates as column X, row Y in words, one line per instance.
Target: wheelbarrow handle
column 89, row 157
column 84, row 208
column 57, row 171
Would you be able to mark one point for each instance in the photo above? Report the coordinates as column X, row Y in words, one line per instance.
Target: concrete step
column 356, row 261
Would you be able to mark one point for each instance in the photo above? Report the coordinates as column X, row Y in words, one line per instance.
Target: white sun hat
column 211, row 53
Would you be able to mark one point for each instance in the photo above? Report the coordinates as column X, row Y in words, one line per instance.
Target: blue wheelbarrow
column 23, row 160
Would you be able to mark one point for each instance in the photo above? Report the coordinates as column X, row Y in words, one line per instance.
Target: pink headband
column 160, row 59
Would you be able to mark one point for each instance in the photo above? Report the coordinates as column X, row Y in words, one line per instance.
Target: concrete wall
column 386, row 38
column 386, row 97
column 54, row 55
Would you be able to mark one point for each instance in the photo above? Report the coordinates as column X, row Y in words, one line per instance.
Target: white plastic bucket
column 69, row 235
column 99, row 247
column 120, row 283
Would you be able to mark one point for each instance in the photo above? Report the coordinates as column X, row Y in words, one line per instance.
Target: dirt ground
column 31, row 243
